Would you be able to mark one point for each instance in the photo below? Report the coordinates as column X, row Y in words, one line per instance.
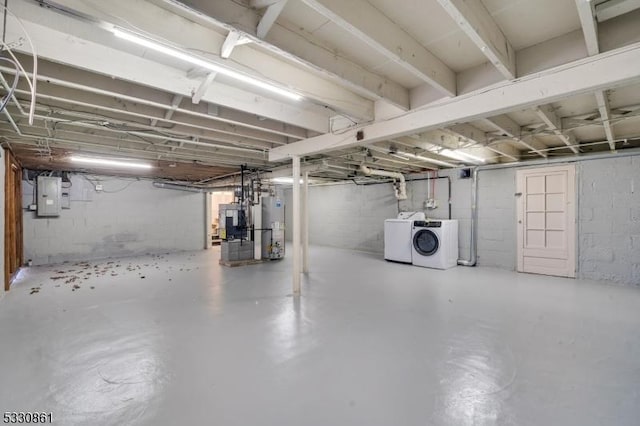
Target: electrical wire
column 33, row 83
column 12, row 89
column 4, row 25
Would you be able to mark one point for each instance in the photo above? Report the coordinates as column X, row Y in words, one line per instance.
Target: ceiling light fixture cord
column 4, row 25
column 12, row 89
column 32, row 82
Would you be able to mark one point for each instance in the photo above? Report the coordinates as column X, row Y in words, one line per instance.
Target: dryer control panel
column 428, row 224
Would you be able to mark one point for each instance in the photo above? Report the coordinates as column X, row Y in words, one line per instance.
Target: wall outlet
column 33, row 207
column 431, row 203
column 99, row 187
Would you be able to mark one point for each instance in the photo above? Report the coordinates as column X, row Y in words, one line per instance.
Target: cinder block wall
column 347, row 215
column 128, row 218
column 608, row 215
column 497, row 218
column 352, row 216
column 609, row 220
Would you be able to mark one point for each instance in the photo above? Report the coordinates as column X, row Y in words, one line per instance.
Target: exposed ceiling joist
column 175, row 103
column 613, row 8
column 590, row 31
column 476, row 22
column 510, row 128
column 83, row 45
column 234, row 38
column 269, row 18
column 589, row 26
column 479, row 138
column 612, row 69
column 554, row 123
column 261, row 4
column 202, row 89
column 289, row 44
column 102, row 92
column 371, row 26
column 605, row 115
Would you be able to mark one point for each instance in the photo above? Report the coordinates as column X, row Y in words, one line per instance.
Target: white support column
column 296, row 225
column 305, row 222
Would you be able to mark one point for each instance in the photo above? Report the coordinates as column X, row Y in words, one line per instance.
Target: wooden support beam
column 476, row 22
column 269, row 18
column 368, row 24
column 553, row 123
column 616, row 68
column 510, row 128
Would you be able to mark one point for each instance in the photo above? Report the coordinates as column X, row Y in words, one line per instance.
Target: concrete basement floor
column 368, row 343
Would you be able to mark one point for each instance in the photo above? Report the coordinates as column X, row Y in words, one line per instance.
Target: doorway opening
column 217, row 198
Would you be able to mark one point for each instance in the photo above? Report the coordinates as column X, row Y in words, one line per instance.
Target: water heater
column 273, row 227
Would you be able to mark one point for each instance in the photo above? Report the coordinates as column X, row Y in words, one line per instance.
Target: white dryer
column 397, row 236
column 434, row 243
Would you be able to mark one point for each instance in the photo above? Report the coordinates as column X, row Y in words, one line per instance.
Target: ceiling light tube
column 426, row 159
column 175, row 53
column 284, row 180
column 110, row 163
column 461, row 156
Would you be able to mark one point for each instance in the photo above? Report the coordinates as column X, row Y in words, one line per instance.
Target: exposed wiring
column 4, row 25
column 12, row 89
column 33, row 81
column 110, row 192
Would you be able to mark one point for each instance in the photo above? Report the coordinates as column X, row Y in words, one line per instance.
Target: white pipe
column 400, row 190
column 305, row 222
column 296, row 225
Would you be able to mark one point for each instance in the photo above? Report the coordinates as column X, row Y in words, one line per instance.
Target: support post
column 296, row 225
column 305, row 223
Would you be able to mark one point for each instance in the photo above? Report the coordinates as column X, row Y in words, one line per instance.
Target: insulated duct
column 400, row 189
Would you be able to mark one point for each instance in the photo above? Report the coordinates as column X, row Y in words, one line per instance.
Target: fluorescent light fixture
column 426, row 159
column 286, row 180
column 175, row 53
column 110, row 163
column 461, row 156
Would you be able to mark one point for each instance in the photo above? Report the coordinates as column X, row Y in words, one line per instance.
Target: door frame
column 13, row 243
column 572, row 186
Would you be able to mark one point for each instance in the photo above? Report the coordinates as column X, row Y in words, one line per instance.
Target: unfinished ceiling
column 339, row 83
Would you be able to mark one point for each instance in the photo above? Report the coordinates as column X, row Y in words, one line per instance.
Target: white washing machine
column 434, row 243
column 397, row 236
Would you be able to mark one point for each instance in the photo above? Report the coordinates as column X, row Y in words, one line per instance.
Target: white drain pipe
column 400, row 189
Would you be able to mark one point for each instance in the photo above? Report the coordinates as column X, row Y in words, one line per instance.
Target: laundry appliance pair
column 430, row 243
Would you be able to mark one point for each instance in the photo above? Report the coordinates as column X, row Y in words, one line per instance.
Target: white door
column 546, row 220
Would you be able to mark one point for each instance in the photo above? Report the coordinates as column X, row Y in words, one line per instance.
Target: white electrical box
column 49, row 193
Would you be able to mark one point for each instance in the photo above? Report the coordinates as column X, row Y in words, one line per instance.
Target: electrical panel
column 49, row 195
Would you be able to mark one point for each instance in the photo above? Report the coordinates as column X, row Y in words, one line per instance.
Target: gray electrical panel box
column 49, row 195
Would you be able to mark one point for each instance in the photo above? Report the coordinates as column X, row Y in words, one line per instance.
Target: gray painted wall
column 129, row 217
column 2, row 177
column 608, row 215
column 609, row 220
column 352, row 216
